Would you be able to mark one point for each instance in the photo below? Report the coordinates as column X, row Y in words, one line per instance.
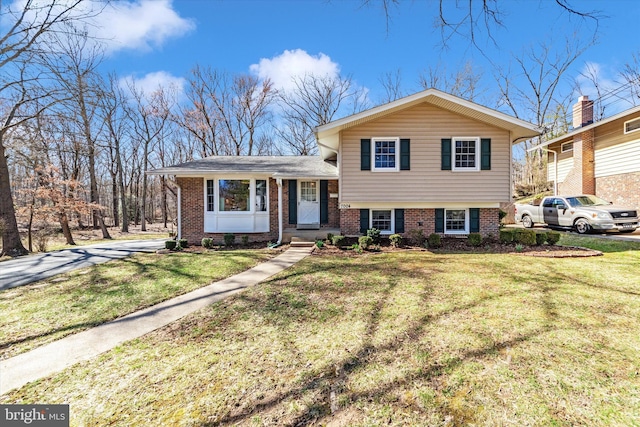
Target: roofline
column 588, row 127
column 194, row 173
column 417, row 97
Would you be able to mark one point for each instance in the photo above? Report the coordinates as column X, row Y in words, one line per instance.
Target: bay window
column 236, row 205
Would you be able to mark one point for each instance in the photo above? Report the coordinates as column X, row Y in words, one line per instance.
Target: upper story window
column 466, row 154
column 632, row 125
column 567, row 146
column 385, row 154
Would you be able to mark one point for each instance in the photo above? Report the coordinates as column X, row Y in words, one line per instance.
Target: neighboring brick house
column 429, row 161
column 601, row 158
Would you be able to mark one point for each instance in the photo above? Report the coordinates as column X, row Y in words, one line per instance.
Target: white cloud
column 121, row 24
column 153, row 81
column 282, row 69
column 143, row 24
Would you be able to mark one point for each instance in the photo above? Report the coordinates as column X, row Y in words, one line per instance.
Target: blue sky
column 159, row 41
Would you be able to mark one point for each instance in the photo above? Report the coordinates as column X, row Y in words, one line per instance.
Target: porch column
column 279, row 183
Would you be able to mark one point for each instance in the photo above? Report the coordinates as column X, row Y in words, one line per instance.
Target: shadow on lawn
column 97, row 287
column 331, row 379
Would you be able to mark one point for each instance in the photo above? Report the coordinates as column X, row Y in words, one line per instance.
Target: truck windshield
column 586, row 201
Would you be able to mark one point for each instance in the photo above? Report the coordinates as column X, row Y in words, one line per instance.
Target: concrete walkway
column 51, row 358
column 31, row 268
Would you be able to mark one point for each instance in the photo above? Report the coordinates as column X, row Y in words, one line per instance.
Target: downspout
column 279, row 183
column 555, row 166
column 179, row 234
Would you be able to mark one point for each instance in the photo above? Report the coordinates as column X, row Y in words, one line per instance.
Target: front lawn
column 50, row 309
column 397, row 338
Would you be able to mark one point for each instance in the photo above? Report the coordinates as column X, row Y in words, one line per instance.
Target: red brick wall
column 424, row 219
column 193, row 212
column 192, row 209
column 489, row 221
column 334, row 211
column 350, row 222
column 623, row 189
column 581, row 178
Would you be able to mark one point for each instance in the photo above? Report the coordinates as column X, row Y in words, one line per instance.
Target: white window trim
column 629, row 121
column 252, row 196
column 466, row 221
column 373, row 154
column 393, row 221
column 453, row 153
column 562, row 149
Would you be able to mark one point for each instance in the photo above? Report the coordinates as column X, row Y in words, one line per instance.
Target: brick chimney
column 582, row 112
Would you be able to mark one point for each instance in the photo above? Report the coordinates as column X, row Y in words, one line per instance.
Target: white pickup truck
column 582, row 213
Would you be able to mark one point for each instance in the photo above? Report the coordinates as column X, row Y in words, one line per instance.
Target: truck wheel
column 582, row 226
column 527, row 222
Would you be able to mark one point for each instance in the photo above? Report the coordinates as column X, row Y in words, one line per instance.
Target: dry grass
column 50, row 309
column 384, row 339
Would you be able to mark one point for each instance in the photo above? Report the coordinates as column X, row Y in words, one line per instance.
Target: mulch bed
column 458, row 245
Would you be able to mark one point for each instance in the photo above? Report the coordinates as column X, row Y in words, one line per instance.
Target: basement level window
column 567, row 146
column 632, row 125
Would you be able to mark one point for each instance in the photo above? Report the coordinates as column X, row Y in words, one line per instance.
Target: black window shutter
column 364, row 220
column 293, row 201
column 405, row 155
column 446, row 154
column 474, row 220
column 324, row 201
column 365, row 154
column 439, row 220
column 485, row 154
column 399, row 220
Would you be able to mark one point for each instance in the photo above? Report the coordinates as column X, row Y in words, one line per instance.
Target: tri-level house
column 600, row 158
column 429, row 161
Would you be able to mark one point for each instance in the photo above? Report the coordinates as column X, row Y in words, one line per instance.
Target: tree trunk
column 11, row 243
column 66, row 230
column 29, row 230
column 114, row 199
column 143, row 219
column 103, row 227
column 123, row 195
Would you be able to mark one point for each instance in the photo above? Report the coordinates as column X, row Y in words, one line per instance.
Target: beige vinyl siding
column 565, row 164
column 425, row 125
column 564, row 167
column 616, row 152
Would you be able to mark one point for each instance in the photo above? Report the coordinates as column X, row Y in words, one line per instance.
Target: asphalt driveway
column 30, row 268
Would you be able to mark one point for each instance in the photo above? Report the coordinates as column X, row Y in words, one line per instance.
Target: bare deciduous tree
column 21, row 83
column 464, row 83
column 315, row 101
column 538, row 99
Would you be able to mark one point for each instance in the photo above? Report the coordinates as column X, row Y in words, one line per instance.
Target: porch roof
column 274, row 166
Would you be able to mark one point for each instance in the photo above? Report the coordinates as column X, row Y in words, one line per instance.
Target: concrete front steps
column 306, row 237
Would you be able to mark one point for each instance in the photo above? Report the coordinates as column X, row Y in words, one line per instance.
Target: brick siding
column 424, row 219
column 192, row 210
column 623, row 189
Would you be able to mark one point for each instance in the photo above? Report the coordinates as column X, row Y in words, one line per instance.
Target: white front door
column 308, row 202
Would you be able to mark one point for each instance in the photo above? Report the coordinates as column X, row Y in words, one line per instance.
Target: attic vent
column 632, row 125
